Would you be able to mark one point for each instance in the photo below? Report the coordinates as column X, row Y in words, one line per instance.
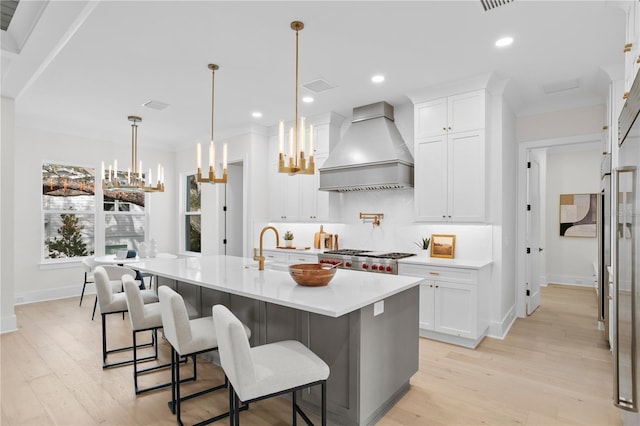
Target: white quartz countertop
column 295, row 251
column 423, row 259
column 347, row 292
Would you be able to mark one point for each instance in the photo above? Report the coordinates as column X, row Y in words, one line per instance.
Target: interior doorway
column 233, row 217
column 531, row 265
column 534, row 210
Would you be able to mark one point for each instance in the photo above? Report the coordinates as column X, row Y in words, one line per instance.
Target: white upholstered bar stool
column 143, row 317
column 111, row 303
column 268, row 370
column 88, row 263
column 115, row 274
column 187, row 338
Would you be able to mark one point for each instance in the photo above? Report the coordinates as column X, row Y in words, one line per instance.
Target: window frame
column 184, row 214
column 98, row 212
column 144, row 215
column 44, row 212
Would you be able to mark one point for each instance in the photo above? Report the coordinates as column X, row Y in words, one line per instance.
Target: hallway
column 553, row 368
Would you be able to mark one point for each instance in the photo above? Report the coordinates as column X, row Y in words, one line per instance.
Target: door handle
column 540, row 249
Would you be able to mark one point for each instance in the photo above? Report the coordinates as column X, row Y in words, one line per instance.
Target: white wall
column 569, row 259
column 37, row 282
column 7, row 213
column 250, row 147
column 504, row 269
column 559, row 124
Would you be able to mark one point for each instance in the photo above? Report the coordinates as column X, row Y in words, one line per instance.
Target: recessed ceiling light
column 307, row 99
column 377, row 78
column 256, row 114
column 504, row 41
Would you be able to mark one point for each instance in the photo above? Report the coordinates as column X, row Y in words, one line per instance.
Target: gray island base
column 372, row 349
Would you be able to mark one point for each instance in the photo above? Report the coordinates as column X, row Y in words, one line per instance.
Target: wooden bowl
column 311, row 274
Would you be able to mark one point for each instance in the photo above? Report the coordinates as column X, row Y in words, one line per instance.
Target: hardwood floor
column 552, row 369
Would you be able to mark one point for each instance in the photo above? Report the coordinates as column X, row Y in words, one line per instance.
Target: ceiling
column 81, row 67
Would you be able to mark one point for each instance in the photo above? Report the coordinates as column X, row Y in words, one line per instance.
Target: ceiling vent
column 318, row 85
column 561, row 86
column 492, row 4
column 157, row 105
column 8, row 8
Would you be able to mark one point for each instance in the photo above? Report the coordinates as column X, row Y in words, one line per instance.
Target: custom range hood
column 371, row 154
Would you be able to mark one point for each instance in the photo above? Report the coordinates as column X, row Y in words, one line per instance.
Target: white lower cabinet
column 453, row 302
column 284, row 256
column 294, row 258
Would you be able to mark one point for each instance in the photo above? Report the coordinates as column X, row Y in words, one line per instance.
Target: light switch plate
column 378, row 308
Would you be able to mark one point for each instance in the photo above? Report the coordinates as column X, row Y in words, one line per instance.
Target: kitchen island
column 363, row 325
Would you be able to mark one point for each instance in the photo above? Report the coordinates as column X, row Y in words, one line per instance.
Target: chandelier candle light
column 135, row 181
column 212, row 149
column 297, row 163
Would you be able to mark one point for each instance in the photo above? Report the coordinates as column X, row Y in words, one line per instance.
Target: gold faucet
column 260, row 257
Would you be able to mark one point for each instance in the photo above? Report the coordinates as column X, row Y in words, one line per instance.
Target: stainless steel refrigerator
column 626, row 304
column 604, row 245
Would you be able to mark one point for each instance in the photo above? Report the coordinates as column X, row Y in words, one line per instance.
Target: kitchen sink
column 269, row 266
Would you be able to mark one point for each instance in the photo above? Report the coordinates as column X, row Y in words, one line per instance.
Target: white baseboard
column 52, row 294
column 499, row 329
column 8, row 324
column 577, row 280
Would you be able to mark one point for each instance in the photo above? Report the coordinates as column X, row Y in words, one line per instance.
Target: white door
column 533, row 238
column 233, row 214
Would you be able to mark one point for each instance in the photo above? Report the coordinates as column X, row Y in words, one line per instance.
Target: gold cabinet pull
column 638, row 60
column 626, row 95
column 627, row 47
column 605, row 127
column 434, row 273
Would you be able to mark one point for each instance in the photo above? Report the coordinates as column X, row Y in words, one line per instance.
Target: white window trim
column 99, row 220
column 64, row 262
column 184, row 213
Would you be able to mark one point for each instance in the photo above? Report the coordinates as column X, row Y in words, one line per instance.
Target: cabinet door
column 427, row 300
column 431, row 118
column 455, row 309
column 295, row 258
column 284, row 196
column 466, row 112
column 314, row 203
column 430, row 183
column 274, row 256
column 466, row 177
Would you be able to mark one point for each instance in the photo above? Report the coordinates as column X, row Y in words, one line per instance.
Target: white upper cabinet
column 457, row 113
column 297, row 198
column 449, row 184
column 632, row 44
column 450, row 170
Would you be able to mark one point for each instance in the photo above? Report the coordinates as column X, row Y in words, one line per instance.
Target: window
column 192, row 223
column 124, row 219
column 68, row 210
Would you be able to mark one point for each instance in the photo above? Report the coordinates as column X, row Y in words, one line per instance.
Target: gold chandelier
column 212, row 149
column 297, row 163
column 134, row 180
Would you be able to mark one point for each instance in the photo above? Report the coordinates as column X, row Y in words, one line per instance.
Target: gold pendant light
column 134, row 180
column 297, row 163
column 212, row 149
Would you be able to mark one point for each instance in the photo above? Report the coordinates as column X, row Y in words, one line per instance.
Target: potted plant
column 423, row 244
column 288, row 239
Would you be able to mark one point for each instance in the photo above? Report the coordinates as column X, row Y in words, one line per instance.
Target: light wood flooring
column 552, row 369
